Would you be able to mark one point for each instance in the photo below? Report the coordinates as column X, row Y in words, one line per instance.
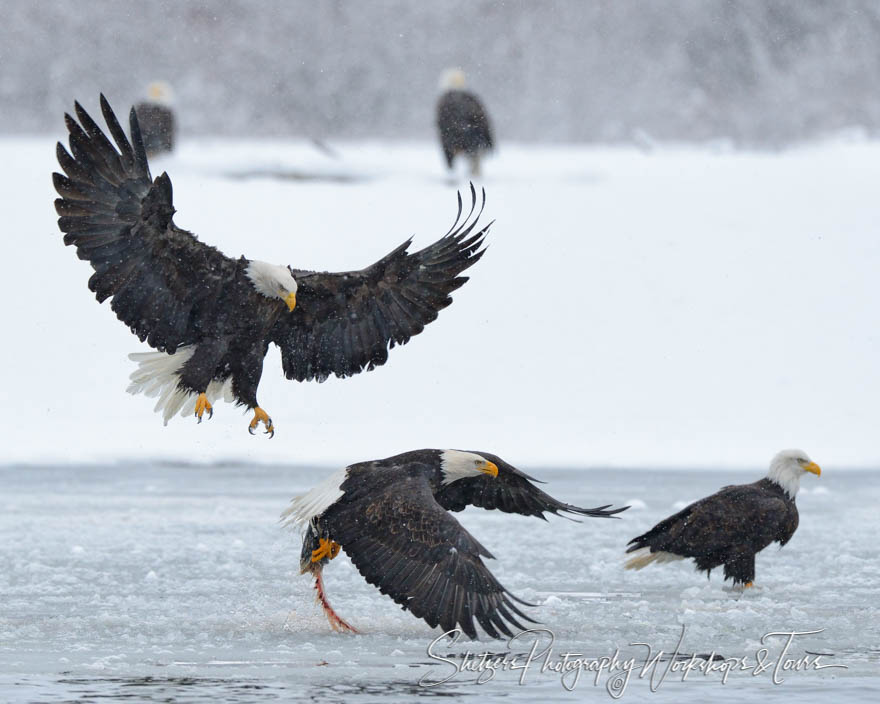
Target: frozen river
column 159, row 582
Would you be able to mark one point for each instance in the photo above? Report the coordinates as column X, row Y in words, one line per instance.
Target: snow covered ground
column 666, row 308
column 160, row 582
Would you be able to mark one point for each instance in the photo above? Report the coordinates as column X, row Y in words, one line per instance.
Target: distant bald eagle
column 156, row 119
column 731, row 526
column 462, row 122
column 391, row 518
column 212, row 317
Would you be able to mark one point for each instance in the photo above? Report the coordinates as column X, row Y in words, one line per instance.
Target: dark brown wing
column 404, row 543
column 345, row 323
column 736, row 518
column 162, row 279
column 511, row 491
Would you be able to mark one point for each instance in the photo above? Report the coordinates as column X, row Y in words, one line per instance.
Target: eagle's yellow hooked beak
column 491, row 469
column 813, row 468
column 291, row 301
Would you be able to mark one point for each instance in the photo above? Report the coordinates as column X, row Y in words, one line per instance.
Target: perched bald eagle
column 156, row 119
column 212, row 317
column 731, row 526
column 391, row 518
column 462, row 121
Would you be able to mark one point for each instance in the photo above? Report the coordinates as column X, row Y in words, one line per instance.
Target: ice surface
column 174, row 581
column 674, row 308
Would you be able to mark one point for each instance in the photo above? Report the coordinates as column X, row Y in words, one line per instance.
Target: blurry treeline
column 758, row 72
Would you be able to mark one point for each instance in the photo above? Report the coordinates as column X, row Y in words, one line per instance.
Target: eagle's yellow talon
column 326, row 548
column 748, row 584
column 260, row 416
column 202, row 405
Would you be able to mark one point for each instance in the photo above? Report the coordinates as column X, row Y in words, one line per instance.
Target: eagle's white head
column 273, row 281
column 787, row 468
column 160, row 92
column 452, row 79
column 455, row 464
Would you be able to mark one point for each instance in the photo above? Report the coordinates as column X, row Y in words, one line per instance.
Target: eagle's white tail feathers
column 313, row 503
column 643, row 557
column 157, row 376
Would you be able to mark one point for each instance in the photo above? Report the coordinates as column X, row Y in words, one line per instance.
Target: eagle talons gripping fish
column 327, row 548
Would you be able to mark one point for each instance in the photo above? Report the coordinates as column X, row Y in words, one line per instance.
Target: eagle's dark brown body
column 727, row 528
column 463, row 125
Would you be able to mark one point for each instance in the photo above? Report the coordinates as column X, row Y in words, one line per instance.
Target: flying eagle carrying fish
column 391, row 517
column 212, row 317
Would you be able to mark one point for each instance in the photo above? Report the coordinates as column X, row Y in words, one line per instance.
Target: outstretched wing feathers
column 405, row 544
column 346, row 322
column 512, row 491
column 160, row 278
column 127, row 153
column 164, row 283
column 520, row 496
column 102, row 154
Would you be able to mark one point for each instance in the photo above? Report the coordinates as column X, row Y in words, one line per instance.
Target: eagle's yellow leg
column 202, row 405
column 326, row 548
column 260, row 416
column 748, row 584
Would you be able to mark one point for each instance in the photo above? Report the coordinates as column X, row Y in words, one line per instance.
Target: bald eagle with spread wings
column 391, row 517
column 212, row 317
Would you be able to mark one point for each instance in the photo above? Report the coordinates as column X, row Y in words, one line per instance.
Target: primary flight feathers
column 216, row 315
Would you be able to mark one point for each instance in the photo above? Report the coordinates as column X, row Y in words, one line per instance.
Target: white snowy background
column 675, row 307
